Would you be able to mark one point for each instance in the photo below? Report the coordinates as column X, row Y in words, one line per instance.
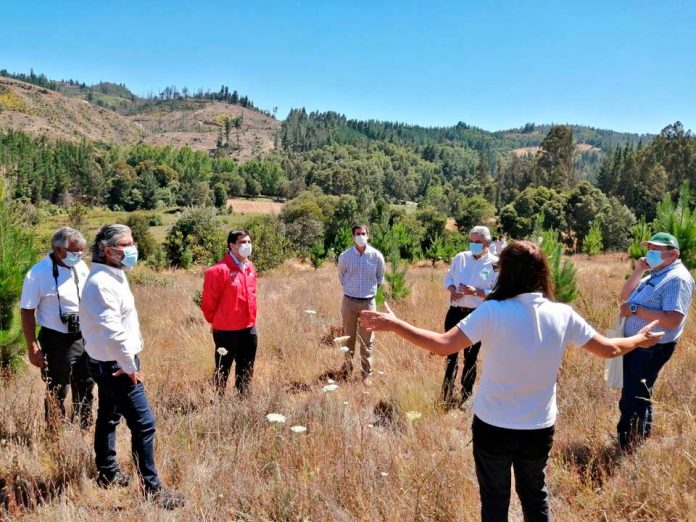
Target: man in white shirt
column 51, row 297
column 470, row 279
column 112, row 341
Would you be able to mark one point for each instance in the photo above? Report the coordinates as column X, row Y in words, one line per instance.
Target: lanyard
column 76, row 279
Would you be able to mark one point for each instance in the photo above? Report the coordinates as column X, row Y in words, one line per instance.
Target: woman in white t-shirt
column 523, row 334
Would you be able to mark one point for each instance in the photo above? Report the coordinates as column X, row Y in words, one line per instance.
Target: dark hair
column 358, row 227
column 523, row 268
column 233, row 236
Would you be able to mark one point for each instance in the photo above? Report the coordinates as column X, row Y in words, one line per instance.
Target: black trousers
column 454, row 315
column 238, row 346
column 65, row 366
column 496, row 450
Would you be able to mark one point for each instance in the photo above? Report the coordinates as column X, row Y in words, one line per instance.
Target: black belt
column 463, row 308
column 359, row 298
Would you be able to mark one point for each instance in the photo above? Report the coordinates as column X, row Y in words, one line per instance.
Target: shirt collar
column 666, row 269
column 240, row 264
column 103, row 267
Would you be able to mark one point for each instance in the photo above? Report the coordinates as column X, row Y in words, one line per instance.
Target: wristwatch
column 633, row 308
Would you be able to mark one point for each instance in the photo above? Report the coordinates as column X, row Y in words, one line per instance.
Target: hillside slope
column 193, row 123
column 40, row 111
column 197, row 123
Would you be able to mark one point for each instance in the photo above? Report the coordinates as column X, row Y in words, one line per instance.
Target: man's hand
column 36, row 356
column 468, row 290
column 454, row 294
column 642, row 265
column 134, row 377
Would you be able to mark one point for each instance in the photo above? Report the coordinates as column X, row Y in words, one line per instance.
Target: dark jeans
column 119, row 397
column 640, row 367
column 65, row 365
column 454, row 315
column 238, row 346
column 496, row 450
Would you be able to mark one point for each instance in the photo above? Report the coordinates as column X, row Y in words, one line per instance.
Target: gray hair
column 481, row 231
column 66, row 235
column 108, row 236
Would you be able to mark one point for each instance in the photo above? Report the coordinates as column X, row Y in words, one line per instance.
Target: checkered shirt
column 670, row 289
column 361, row 274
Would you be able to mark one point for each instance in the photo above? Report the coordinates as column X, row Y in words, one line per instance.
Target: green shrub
column 195, row 238
column 592, row 244
column 679, row 220
column 17, row 254
column 640, row 232
column 563, row 271
column 271, row 245
column 140, row 226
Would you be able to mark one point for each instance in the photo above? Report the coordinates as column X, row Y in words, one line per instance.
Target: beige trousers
column 350, row 309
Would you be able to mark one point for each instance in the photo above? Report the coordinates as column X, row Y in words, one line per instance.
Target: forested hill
column 303, row 131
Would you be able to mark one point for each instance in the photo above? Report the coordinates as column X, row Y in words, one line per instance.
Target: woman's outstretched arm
column 446, row 343
column 613, row 347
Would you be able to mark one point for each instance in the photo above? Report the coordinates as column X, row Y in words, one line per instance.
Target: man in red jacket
column 229, row 305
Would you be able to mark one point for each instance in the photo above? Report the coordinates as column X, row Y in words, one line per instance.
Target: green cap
column 663, row 238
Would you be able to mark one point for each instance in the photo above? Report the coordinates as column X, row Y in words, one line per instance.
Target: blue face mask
column 72, row 258
column 476, row 248
column 130, row 256
column 654, row 258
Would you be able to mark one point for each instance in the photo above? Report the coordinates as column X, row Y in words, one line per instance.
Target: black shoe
column 117, row 479
column 166, row 498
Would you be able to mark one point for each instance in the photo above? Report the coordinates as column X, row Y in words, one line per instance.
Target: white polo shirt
column 109, row 319
column 465, row 269
column 39, row 292
column 522, row 344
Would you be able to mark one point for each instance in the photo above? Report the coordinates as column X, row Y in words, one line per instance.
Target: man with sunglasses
column 470, row 279
column 664, row 295
column 51, row 297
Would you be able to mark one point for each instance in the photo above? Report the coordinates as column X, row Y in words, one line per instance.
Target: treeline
column 128, row 178
column 39, row 80
column 304, row 131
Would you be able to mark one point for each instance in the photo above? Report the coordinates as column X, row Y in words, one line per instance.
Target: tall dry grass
column 232, row 464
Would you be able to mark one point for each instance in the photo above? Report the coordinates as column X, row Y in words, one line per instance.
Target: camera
column 72, row 321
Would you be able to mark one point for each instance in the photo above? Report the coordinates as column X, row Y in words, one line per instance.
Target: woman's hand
column 649, row 337
column 374, row 321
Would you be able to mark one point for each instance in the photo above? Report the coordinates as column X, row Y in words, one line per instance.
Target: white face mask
column 245, row 250
column 361, row 241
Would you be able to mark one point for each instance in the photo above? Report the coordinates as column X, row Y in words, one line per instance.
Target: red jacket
column 229, row 295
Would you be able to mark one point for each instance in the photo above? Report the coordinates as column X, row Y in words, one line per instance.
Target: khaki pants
column 350, row 309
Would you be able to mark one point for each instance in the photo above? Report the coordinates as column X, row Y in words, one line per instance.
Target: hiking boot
column 119, row 479
column 166, row 498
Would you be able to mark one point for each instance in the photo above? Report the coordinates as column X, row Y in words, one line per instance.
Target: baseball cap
column 662, row 238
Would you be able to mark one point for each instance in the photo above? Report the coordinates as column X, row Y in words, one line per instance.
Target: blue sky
column 625, row 65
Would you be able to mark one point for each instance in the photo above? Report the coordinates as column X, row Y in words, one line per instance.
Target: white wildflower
column 380, row 373
column 643, row 381
column 330, row 381
column 298, row 429
column 310, row 312
column 222, row 351
column 384, row 474
column 341, row 341
column 275, row 417
column 330, row 388
column 345, row 349
column 413, row 415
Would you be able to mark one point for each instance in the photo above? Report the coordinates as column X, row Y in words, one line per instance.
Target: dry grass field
column 232, row 464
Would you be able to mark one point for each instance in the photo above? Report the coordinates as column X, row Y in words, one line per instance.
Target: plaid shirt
column 670, row 289
column 361, row 274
